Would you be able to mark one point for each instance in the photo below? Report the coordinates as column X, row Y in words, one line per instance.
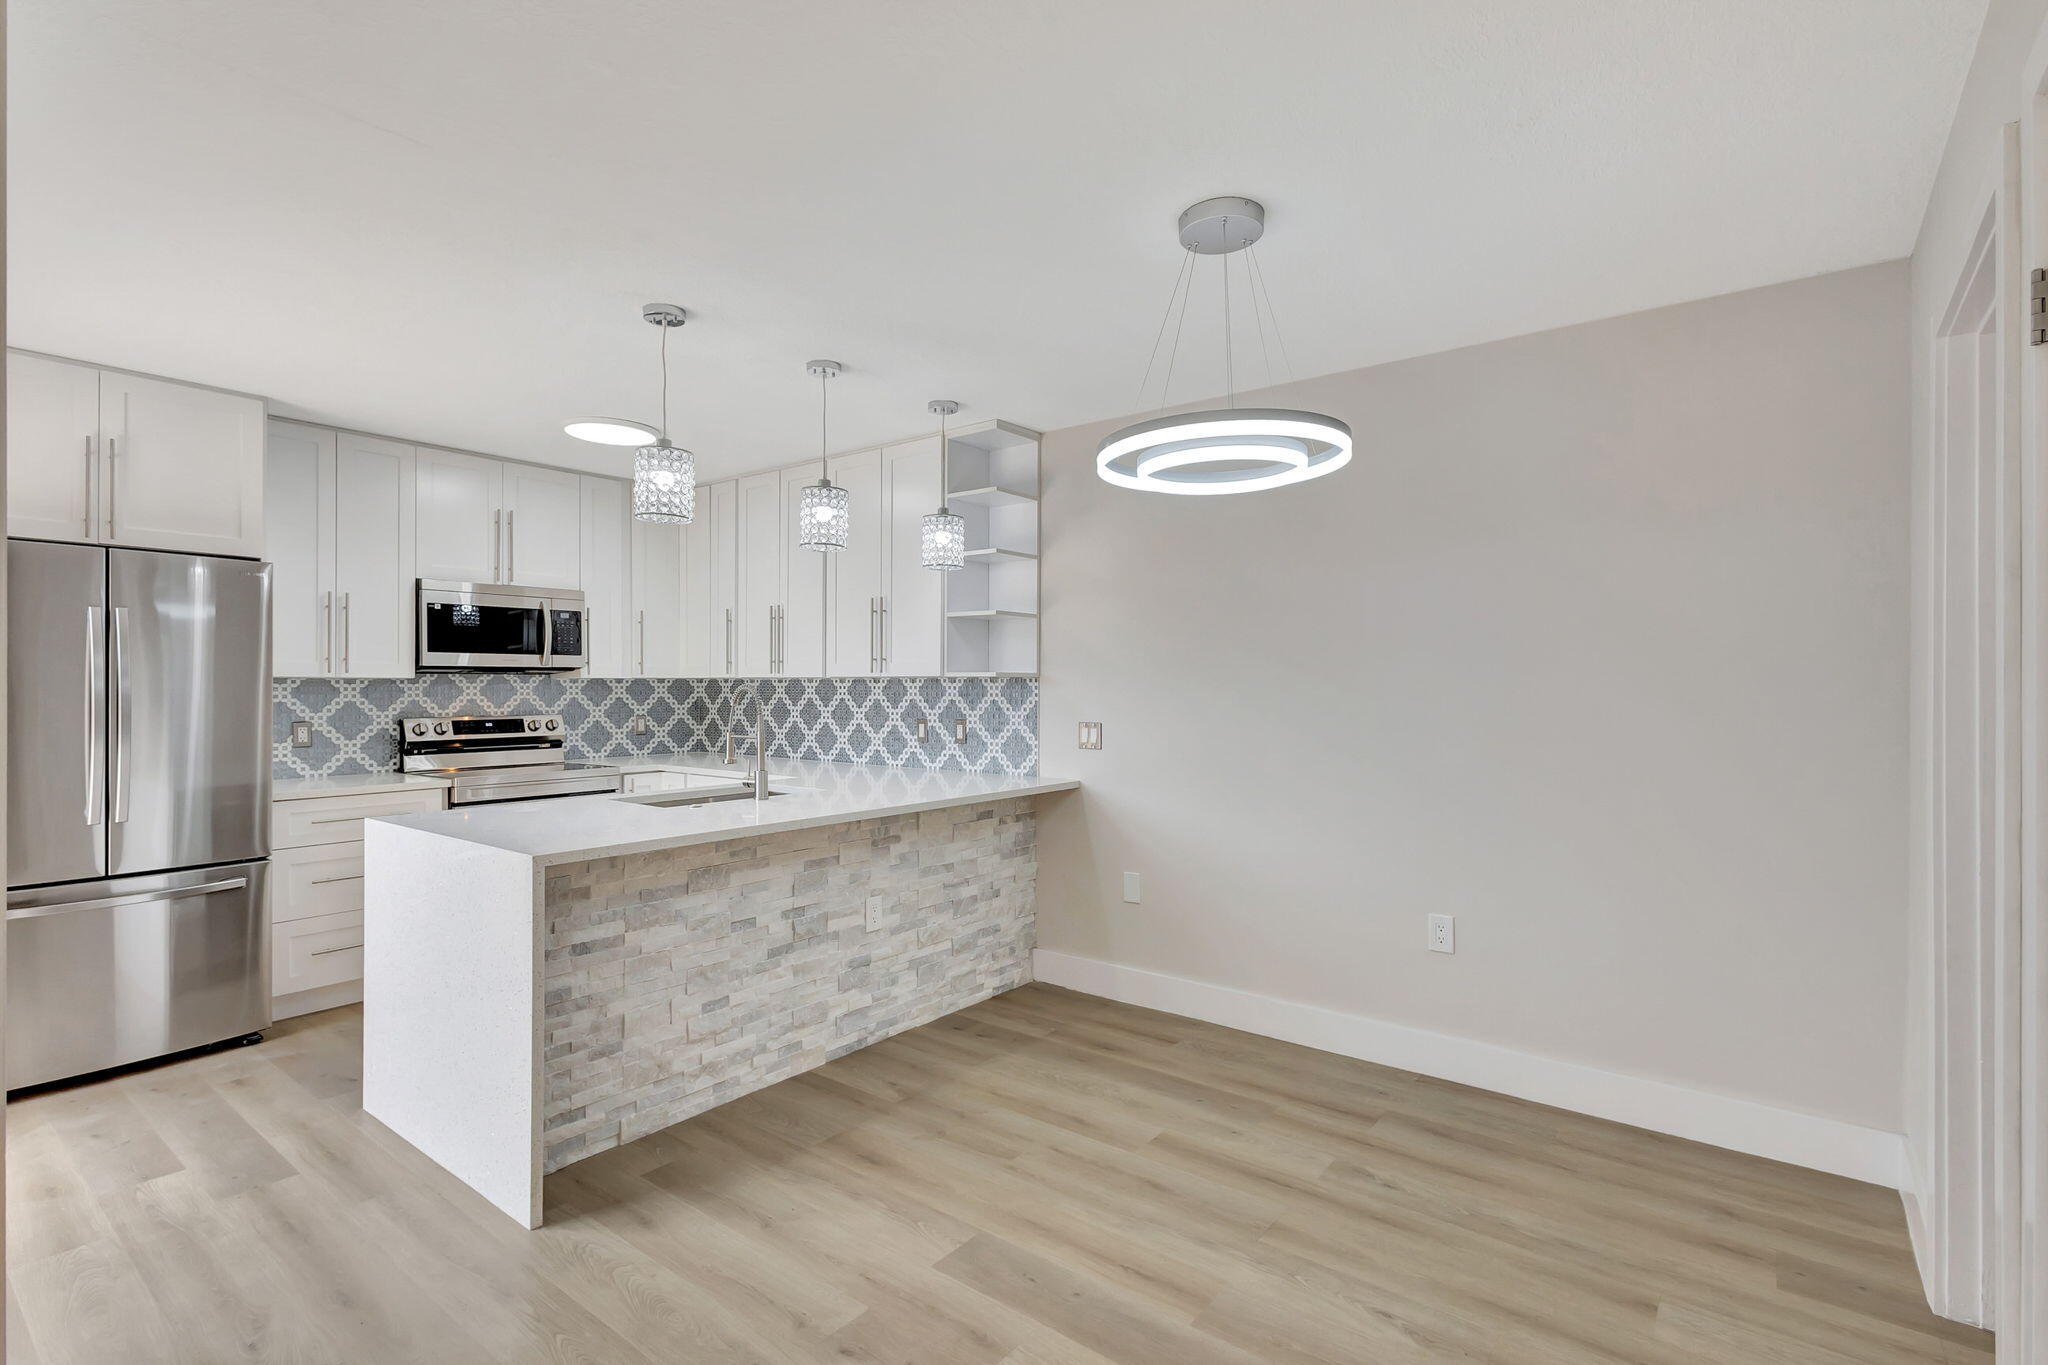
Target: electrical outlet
column 873, row 919
column 1443, row 934
column 1131, row 888
column 302, row 734
column 924, row 730
column 1091, row 734
column 642, row 726
column 959, row 732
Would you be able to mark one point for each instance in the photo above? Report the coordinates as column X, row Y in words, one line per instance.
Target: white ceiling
column 439, row 220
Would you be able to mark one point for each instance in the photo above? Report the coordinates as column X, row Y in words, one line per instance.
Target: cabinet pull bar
column 511, row 546
column 344, row 948
column 113, row 482
column 323, row 881
column 87, row 500
column 344, row 632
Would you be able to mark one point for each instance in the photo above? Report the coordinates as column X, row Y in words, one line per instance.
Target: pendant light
column 664, row 474
column 822, row 516
column 1228, row 449
column 943, row 541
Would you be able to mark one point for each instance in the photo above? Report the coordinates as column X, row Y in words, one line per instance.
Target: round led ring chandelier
column 1228, row 449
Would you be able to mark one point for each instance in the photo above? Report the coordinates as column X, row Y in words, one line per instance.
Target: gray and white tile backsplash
column 845, row 720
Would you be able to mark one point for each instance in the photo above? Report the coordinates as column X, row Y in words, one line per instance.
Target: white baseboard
column 319, row 998
column 1740, row 1125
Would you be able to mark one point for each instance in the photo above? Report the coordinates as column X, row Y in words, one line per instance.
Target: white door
column 800, row 649
column 718, row 509
column 182, row 467
column 457, row 517
column 658, row 599
column 544, row 527
column 854, row 590
column 760, row 573
column 373, row 557
column 298, row 540
column 613, row 645
column 53, row 418
column 913, row 597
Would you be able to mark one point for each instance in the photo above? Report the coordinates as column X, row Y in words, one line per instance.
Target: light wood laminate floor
column 1044, row 1179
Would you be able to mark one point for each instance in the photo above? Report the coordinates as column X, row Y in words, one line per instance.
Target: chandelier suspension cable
column 1173, row 356
column 1187, row 260
column 1257, row 317
column 1229, row 357
column 1258, row 273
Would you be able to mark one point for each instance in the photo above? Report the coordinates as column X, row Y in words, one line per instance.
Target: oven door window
column 473, row 628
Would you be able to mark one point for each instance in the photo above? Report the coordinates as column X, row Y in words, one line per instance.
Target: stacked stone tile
column 681, row 979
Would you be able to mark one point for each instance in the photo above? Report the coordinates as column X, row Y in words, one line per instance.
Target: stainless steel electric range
column 499, row 758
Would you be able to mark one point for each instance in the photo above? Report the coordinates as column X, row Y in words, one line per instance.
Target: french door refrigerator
column 138, row 797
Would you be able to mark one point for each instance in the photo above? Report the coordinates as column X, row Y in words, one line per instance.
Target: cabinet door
column 800, row 645
column 298, row 540
column 611, row 648
column 53, row 418
column 373, row 557
column 456, row 517
column 854, row 589
column 724, row 507
column 760, row 573
column 543, row 527
column 658, row 599
column 913, row 597
column 182, row 468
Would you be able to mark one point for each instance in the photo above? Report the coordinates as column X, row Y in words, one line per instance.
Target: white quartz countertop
column 575, row 829
column 351, row 784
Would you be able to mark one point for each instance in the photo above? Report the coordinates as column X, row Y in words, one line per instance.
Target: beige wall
column 1599, row 645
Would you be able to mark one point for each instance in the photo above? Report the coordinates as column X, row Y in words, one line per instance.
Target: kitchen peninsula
column 547, row 980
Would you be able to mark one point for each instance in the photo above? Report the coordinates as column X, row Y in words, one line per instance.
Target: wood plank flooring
column 1044, row 1179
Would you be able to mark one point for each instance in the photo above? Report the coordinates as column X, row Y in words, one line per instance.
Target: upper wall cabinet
column 339, row 519
column 610, row 646
column 711, row 583
column 657, row 578
column 491, row 521
column 111, row 458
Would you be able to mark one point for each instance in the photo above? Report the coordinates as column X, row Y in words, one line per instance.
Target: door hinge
column 2037, row 309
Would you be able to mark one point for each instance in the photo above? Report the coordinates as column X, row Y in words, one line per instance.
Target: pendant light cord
column 945, row 482
column 664, row 383
column 1173, row 295
column 824, row 402
column 1229, row 359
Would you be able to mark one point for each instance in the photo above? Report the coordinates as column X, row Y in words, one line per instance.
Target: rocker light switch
column 924, row 729
column 1091, row 734
column 959, row 732
column 642, row 725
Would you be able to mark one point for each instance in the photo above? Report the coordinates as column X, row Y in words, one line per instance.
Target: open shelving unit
column 992, row 603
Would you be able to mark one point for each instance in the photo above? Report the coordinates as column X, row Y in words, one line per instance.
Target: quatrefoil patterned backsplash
column 844, row 720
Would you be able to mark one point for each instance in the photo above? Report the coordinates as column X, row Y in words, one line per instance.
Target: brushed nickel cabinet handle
column 327, row 631
column 325, row 881
column 113, row 483
column 344, row 632
column 87, row 499
column 511, row 547
column 344, row 948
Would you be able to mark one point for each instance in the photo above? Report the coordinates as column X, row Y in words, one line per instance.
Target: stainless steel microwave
column 497, row 627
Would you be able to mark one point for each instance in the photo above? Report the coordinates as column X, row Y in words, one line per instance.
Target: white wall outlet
column 877, row 907
column 1443, row 934
column 959, row 732
column 1091, row 734
column 302, row 734
column 924, row 730
column 1131, row 888
column 642, row 726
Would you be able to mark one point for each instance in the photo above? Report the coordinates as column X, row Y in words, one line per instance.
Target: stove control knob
column 419, row 727
column 533, row 725
column 440, row 727
column 554, row 725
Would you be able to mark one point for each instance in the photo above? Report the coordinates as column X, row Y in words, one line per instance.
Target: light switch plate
column 642, row 725
column 1131, row 888
column 302, row 734
column 924, row 730
column 959, row 732
column 1091, row 734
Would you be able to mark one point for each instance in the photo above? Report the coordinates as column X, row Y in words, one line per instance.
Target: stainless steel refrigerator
column 138, row 800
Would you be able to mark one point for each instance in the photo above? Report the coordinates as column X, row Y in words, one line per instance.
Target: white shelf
column 996, row 552
column 992, row 675
column 991, row 615
column 992, row 496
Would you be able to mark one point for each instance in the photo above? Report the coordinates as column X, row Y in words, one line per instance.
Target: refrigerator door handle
column 118, row 729
column 134, row 898
column 95, row 718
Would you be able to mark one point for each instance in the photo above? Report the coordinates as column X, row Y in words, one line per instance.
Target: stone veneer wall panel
column 678, row 980
column 845, row 720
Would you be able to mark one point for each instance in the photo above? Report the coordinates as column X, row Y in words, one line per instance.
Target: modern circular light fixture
column 823, row 512
column 1228, row 449
column 664, row 474
column 610, row 431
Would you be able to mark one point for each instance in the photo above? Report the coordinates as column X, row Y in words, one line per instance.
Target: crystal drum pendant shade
column 664, row 484
column 823, row 512
column 942, row 538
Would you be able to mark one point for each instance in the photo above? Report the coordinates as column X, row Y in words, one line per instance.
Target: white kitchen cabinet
column 759, row 545
column 658, row 781
column 800, row 619
column 53, row 422
column 373, row 537
column 298, row 540
column 913, row 607
column 104, row 457
column 612, row 646
column 711, row 583
column 182, row 466
column 543, row 527
column 338, row 530
column 854, row 587
column 459, row 517
column 657, row 579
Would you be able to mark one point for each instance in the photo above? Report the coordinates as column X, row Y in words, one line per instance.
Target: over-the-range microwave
column 501, row 628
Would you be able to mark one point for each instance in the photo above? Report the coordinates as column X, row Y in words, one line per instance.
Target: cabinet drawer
column 656, row 782
column 318, row 879
column 324, row 951
column 339, row 819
